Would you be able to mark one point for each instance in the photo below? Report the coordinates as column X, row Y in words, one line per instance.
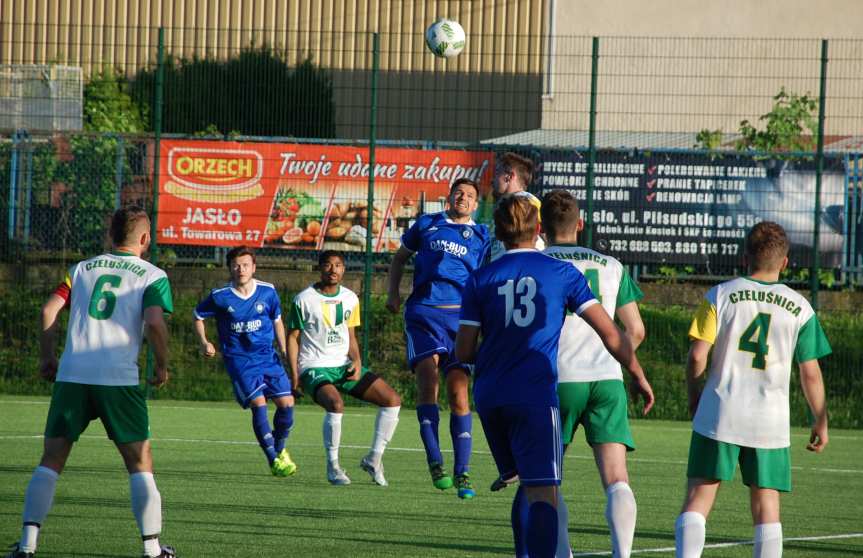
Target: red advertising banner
column 302, row 196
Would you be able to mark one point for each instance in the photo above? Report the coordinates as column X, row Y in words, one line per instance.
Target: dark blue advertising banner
column 695, row 209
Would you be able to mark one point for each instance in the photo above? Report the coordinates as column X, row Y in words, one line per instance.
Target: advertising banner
column 696, row 209
column 292, row 196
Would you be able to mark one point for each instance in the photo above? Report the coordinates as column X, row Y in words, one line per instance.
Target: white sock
column 147, row 507
column 37, row 504
column 563, row 548
column 332, row 435
column 689, row 532
column 768, row 541
column 620, row 512
column 385, row 426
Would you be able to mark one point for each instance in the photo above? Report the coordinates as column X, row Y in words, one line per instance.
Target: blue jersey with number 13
column 519, row 303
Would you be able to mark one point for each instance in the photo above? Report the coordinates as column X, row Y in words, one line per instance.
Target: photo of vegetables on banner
column 299, row 197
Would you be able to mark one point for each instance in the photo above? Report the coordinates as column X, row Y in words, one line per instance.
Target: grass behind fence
column 663, row 356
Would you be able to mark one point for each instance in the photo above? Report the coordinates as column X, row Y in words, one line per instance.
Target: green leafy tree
column 108, row 107
column 790, row 126
column 256, row 93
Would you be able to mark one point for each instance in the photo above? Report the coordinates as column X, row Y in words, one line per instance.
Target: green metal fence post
column 370, row 199
column 157, row 133
column 814, row 280
column 591, row 160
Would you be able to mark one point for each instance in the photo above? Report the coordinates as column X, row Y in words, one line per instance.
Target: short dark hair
column 467, row 181
column 239, row 251
column 518, row 164
column 766, row 245
column 559, row 212
column 123, row 223
column 327, row 254
column 515, row 219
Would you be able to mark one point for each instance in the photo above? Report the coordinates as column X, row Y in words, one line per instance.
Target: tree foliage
column 108, row 106
column 256, row 93
column 790, row 126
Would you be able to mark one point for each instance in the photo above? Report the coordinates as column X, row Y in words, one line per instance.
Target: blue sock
column 460, row 429
column 429, row 417
column 263, row 432
column 541, row 530
column 518, row 517
column 283, row 421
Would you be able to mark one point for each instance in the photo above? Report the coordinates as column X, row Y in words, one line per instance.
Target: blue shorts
column 525, row 441
column 431, row 331
column 252, row 378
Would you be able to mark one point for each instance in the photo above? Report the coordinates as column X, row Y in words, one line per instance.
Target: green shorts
column 762, row 468
column 313, row 378
column 122, row 410
column 600, row 406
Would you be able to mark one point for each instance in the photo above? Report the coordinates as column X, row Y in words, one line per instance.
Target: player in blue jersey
column 448, row 247
column 519, row 303
column 248, row 318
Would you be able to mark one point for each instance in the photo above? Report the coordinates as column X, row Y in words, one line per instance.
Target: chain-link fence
column 675, row 147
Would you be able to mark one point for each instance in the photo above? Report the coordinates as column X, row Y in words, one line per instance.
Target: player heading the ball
column 449, row 246
column 323, row 350
column 248, row 317
column 753, row 328
column 519, row 303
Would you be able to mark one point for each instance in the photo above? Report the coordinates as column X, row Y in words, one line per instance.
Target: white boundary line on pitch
column 647, row 424
column 727, row 545
column 411, row 450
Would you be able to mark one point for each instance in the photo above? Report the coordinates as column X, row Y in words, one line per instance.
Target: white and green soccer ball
column 445, row 38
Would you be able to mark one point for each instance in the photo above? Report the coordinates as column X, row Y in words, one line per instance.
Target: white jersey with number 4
column 324, row 321
column 107, row 296
column 757, row 330
column 581, row 356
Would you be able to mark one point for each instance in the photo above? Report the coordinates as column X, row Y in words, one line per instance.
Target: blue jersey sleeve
column 470, row 306
column 579, row 296
column 275, row 306
column 412, row 238
column 206, row 308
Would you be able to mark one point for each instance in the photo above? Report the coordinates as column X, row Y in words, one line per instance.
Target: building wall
column 686, row 65
column 504, row 49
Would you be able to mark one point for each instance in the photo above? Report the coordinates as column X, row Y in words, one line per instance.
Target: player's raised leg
column 461, row 426
column 373, row 389
column 428, row 415
column 328, row 397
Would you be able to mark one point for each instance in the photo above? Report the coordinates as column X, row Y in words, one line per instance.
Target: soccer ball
column 445, row 38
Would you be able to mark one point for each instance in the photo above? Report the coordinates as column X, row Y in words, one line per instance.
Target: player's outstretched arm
column 630, row 317
column 466, row 342
column 156, row 331
column 292, row 342
column 813, row 389
column 696, row 364
column 394, row 278
column 207, row 348
column 48, row 336
column 617, row 343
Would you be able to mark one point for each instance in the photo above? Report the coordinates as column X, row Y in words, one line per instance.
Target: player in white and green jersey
column 322, row 347
column 114, row 300
column 512, row 175
column 753, row 329
column 590, row 380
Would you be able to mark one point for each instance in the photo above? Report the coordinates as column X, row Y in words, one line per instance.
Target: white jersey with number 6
column 107, row 298
column 757, row 329
column 582, row 357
